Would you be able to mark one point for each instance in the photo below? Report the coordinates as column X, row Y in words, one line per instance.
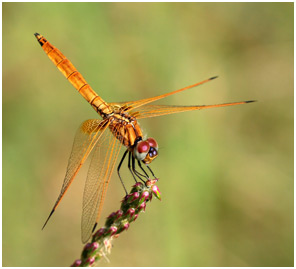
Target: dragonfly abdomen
column 74, row 77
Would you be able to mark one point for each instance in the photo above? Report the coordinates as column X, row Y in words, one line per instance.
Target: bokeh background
column 226, row 175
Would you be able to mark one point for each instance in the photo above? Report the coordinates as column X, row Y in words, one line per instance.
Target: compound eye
column 141, row 150
column 143, row 146
column 152, row 142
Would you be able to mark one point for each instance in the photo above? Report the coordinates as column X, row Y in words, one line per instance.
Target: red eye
column 143, row 146
column 152, row 143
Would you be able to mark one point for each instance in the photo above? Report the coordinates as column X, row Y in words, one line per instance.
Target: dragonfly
column 104, row 137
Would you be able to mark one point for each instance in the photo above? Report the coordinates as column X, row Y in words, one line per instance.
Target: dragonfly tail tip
column 37, row 35
column 250, row 101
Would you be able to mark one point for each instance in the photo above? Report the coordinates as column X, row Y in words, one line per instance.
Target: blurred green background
column 226, row 175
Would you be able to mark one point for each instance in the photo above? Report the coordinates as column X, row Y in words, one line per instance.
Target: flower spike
column 117, row 222
column 156, row 192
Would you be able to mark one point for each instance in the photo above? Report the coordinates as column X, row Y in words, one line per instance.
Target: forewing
column 86, row 138
column 129, row 106
column 101, row 167
column 148, row 111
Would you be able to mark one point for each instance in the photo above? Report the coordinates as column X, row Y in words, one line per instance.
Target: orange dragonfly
column 119, row 126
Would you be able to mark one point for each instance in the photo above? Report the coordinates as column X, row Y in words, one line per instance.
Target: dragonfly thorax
column 128, row 131
column 125, row 128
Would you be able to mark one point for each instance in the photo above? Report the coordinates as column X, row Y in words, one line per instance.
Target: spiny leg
column 118, row 168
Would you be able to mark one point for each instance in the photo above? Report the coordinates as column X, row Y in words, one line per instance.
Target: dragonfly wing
column 128, row 106
column 141, row 109
column 86, row 138
column 148, row 111
column 101, row 167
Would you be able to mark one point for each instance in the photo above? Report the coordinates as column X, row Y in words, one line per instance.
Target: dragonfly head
column 146, row 150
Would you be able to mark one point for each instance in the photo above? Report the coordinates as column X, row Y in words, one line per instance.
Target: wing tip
column 213, row 77
column 86, row 236
column 48, row 218
column 94, row 227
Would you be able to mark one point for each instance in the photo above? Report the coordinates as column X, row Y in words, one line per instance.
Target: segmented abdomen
column 75, row 78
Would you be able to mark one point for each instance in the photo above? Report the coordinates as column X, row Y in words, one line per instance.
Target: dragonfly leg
column 150, row 171
column 138, row 174
column 129, row 166
column 139, row 163
column 118, row 168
